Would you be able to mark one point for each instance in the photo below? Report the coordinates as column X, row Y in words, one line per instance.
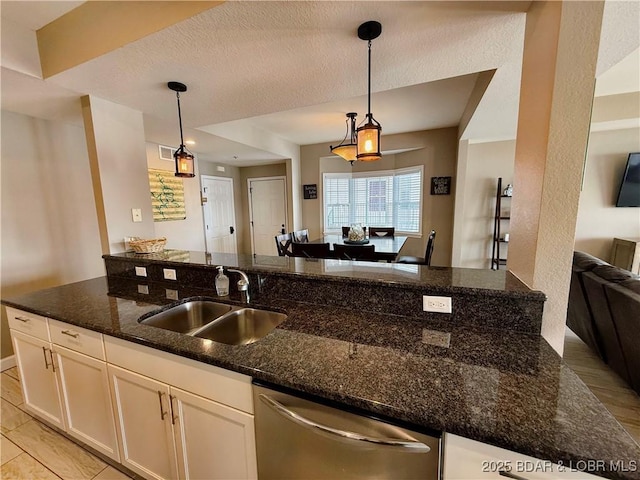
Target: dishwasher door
column 300, row 439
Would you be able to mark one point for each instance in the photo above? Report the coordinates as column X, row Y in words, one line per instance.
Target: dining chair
column 426, row 260
column 381, row 232
column 354, row 252
column 345, row 231
column 283, row 244
column 301, row 236
column 311, row 250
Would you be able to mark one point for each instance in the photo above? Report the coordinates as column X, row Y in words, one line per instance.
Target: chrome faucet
column 243, row 285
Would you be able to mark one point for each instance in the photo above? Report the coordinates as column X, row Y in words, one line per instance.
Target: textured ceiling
column 293, row 69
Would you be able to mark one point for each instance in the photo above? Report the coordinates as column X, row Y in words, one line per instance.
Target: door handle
column 412, row 446
column 231, row 229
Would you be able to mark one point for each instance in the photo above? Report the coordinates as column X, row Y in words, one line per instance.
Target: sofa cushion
column 632, row 284
column 625, row 312
column 613, row 274
column 584, row 262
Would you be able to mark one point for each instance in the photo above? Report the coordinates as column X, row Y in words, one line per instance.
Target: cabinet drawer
column 28, row 323
column 77, row 338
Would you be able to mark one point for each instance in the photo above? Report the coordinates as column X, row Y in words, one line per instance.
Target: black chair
column 283, row 244
column 354, row 252
column 382, row 231
column 301, row 236
column 345, row 231
column 311, row 250
column 427, row 254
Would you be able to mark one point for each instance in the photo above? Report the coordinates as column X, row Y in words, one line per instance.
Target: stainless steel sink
column 241, row 327
column 216, row 321
column 187, row 317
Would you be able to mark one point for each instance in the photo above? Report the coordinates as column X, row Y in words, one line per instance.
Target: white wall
column 187, row 234
column 484, row 163
column 49, row 225
column 599, row 220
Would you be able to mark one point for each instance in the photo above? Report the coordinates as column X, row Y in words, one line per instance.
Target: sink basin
column 187, row 317
column 241, row 327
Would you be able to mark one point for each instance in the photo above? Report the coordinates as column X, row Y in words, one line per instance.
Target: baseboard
column 7, row 363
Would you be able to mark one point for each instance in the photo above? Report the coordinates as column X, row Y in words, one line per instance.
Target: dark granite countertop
column 504, row 388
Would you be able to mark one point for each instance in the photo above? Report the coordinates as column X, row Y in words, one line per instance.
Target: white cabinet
column 37, row 377
column 68, row 389
column 164, row 428
column 466, row 459
column 144, row 424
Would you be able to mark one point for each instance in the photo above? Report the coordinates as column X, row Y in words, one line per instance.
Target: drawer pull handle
column 70, row 333
column 23, row 319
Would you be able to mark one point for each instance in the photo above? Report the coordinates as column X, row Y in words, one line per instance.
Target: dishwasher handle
column 411, row 446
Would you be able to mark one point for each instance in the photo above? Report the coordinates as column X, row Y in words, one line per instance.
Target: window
column 378, row 199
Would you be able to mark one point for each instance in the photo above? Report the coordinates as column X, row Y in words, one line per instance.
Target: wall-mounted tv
column 629, row 194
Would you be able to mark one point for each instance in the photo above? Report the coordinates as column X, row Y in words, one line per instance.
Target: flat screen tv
column 629, row 194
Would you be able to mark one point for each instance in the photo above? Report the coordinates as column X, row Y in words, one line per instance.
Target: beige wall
column 436, row 150
column 242, row 222
column 246, row 173
column 599, row 220
column 187, row 234
column 49, row 225
column 484, row 163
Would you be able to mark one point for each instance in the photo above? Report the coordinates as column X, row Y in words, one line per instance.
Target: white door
column 38, row 378
column 219, row 214
column 143, row 415
column 213, row 441
column 84, row 384
column 268, row 213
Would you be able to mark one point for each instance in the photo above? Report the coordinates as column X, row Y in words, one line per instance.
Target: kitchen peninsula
column 357, row 335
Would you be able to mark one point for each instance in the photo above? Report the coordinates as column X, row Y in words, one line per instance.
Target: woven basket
column 148, row 246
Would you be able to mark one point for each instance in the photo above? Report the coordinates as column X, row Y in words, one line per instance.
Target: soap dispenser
column 222, row 283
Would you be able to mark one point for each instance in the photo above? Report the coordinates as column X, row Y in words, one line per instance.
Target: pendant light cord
column 369, row 99
column 180, row 119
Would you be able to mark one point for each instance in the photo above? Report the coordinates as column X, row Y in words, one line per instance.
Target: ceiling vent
column 166, row 153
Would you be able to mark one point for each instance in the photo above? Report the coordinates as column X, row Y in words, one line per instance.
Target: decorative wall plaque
column 310, row 191
column 440, row 185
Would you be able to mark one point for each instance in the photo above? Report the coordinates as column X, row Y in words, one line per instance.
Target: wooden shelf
column 498, row 235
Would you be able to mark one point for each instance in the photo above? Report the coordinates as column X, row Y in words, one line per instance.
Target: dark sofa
column 604, row 311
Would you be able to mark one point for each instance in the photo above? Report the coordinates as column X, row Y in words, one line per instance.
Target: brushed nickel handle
column 70, row 333
column 412, row 446
column 174, row 417
column 23, row 319
column 44, row 353
column 53, row 365
column 162, row 412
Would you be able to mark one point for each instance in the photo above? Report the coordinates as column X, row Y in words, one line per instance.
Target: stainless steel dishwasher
column 301, row 439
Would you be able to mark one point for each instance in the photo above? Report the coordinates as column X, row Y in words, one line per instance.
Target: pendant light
column 368, row 133
column 348, row 148
column 183, row 157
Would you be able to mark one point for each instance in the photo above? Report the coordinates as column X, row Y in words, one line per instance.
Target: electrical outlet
column 436, row 304
column 141, row 271
column 169, row 274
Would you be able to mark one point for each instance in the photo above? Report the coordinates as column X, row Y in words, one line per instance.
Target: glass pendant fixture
column 182, row 157
column 348, row 148
column 368, row 133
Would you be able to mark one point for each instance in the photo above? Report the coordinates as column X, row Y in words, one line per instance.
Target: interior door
column 268, row 209
column 219, row 214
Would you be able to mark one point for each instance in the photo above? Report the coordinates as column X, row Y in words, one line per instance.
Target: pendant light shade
column 183, row 158
column 368, row 133
column 348, row 148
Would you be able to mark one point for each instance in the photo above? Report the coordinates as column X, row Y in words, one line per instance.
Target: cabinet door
column 38, row 379
column 143, row 417
column 213, row 441
column 86, row 401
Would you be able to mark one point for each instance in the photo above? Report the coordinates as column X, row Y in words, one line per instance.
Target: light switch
column 136, row 214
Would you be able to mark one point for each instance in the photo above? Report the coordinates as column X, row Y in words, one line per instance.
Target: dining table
column 387, row 248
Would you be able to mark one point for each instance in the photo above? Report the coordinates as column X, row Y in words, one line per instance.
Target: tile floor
column 31, row 450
